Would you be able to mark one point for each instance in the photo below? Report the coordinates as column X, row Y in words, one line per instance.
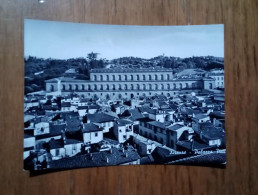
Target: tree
column 92, row 56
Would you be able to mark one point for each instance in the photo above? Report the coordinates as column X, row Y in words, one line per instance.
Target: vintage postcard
column 105, row 95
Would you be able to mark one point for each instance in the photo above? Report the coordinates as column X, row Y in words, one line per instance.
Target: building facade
column 128, row 83
column 218, row 75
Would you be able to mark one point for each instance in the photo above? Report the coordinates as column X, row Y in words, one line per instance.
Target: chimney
column 214, row 121
column 192, row 144
column 63, row 137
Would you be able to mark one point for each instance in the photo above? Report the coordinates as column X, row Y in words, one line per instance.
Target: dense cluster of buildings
column 125, row 116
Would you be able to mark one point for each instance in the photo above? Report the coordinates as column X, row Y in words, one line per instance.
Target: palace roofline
column 68, row 79
column 130, row 70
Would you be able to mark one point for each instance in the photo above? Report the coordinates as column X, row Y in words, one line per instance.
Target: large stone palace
column 128, row 83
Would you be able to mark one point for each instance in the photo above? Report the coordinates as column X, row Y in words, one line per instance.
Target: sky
column 64, row 40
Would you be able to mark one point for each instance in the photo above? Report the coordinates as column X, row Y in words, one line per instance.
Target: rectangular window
column 96, row 134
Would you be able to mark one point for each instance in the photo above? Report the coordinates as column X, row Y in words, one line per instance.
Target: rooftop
column 132, row 114
column 90, row 127
column 157, row 124
column 72, row 141
column 99, row 118
column 196, row 145
column 54, row 144
column 123, row 122
column 104, row 158
column 63, row 79
column 175, row 127
column 213, row 133
column 200, row 116
column 130, row 70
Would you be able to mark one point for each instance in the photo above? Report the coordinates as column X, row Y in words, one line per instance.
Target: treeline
column 37, row 70
column 177, row 64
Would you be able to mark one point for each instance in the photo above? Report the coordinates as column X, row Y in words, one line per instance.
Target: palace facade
column 128, row 83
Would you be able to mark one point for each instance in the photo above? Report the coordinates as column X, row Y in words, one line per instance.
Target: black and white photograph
column 104, row 95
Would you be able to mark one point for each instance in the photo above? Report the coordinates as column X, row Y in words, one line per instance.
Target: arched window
column 210, row 85
column 193, row 85
column 150, row 77
column 95, row 96
column 162, row 77
column 137, row 77
column 119, row 87
column 107, row 97
column 125, row 77
column 52, row 88
column 107, row 77
column 156, row 77
column 63, row 87
column 144, row 77
column 89, row 87
column 156, row 86
column 131, row 86
column 107, row 87
column 83, row 87
column 174, row 86
column 95, row 77
column 131, row 77
column 113, row 77
column 162, row 86
column 113, row 87
column 168, row 77
column 180, row 86
column 119, row 77
column 70, row 87
column 187, row 85
column 76, row 87
column 101, row 77
column 137, row 87
column 168, row 86
column 101, row 87
column 95, row 87
column 150, row 87
column 143, row 86
column 125, row 86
